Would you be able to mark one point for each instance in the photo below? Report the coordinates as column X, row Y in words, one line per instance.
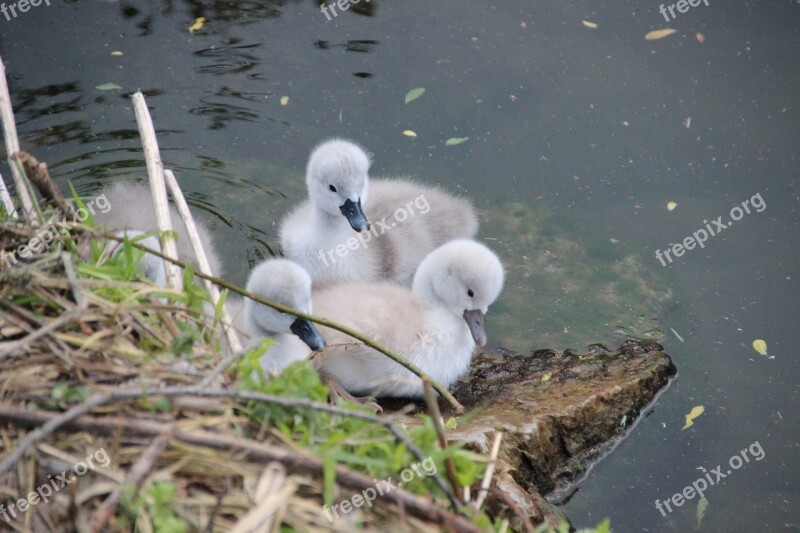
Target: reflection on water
column 578, row 138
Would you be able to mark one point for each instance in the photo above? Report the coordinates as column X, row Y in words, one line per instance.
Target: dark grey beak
column 476, row 323
column 355, row 215
column 308, row 333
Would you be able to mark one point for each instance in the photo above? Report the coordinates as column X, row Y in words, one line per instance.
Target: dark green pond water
column 578, row 139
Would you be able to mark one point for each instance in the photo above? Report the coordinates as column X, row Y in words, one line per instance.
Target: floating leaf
column 671, row 206
column 700, row 38
column 108, row 87
column 760, row 346
column 284, row 100
column 659, row 34
column 410, row 133
column 413, row 94
column 453, row 141
column 694, row 413
column 198, row 24
column 688, row 122
column 702, row 505
column 547, row 376
column 676, row 334
column 589, row 24
column 116, row 53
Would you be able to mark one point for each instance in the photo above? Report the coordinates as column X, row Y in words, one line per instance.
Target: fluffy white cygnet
column 131, row 212
column 436, row 324
column 287, row 283
column 355, row 229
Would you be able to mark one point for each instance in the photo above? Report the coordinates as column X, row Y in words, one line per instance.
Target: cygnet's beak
column 476, row 323
column 308, row 333
column 355, row 215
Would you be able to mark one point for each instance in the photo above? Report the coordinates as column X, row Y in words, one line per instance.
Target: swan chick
column 436, row 325
column 287, row 283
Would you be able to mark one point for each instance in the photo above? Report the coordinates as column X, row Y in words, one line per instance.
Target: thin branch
column 436, row 416
column 136, row 476
column 486, row 482
column 457, row 407
column 258, row 451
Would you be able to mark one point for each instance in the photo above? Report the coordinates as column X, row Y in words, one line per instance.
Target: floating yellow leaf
column 116, row 53
column 284, row 100
column 671, row 206
column 410, row 133
column 760, row 346
column 694, row 413
column 453, row 141
column 547, row 376
column 413, row 94
column 659, row 34
column 589, row 24
column 198, row 24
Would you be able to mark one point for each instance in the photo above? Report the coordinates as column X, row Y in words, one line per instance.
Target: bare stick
column 6, row 199
column 436, row 415
column 486, row 482
column 12, row 147
column 202, row 260
column 155, row 171
column 135, row 477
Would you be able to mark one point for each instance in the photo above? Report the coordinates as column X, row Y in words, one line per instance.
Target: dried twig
column 486, row 482
column 155, row 170
column 135, row 477
column 38, row 174
column 457, row 407
column 436, row 415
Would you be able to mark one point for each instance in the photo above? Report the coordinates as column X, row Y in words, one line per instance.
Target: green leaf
column 702, row 505
column 413, row 94
column 453, row 141
column 108, row 87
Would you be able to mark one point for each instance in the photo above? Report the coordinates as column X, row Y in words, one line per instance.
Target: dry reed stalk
column 202, row 260
column 6, row 199
column 12, row 147
column 486, row 482
column 155, row 171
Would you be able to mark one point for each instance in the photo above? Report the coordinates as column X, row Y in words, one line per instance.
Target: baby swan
column 284, row 282
column 132, row 213
column 436, row 325
column 355, row 229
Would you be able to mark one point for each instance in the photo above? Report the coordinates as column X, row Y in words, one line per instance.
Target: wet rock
column 557, row 412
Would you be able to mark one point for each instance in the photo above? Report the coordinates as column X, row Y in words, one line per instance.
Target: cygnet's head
column 464, row 276
column 287, row 283
column 337, row 179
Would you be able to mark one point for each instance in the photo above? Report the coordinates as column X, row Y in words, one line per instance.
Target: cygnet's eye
column 470, row 293
column 332, row 188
